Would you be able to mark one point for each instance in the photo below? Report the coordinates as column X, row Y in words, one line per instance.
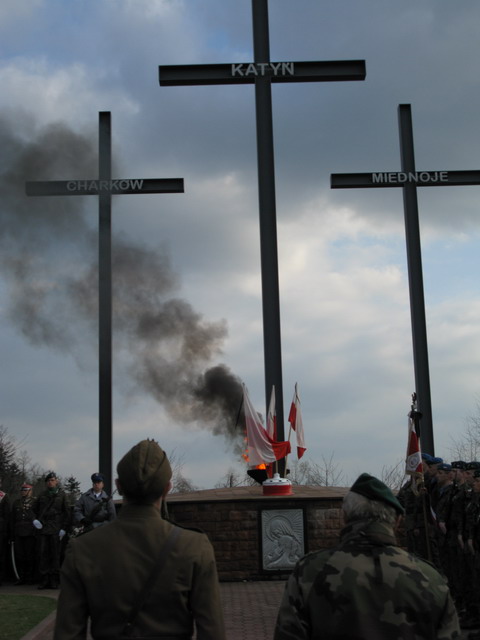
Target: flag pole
column 416, row 416
column 286, row 457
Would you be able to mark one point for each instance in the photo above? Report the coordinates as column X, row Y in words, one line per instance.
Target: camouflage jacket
column 366, row 588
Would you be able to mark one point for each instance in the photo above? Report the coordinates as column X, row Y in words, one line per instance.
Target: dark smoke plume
column 48, row 257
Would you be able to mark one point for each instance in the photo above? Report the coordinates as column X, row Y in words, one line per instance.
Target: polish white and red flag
column 262, row 449
column 413, row 466
column 296, row 422
column 272, row 427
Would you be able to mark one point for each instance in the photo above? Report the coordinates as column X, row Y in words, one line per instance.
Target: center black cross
column 104, row 188
column 409, row 179
column 262, row 72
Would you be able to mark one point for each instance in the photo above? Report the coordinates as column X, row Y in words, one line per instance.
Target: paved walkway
column 250, row 609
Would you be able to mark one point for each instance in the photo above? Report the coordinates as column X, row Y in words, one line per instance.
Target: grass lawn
column 19, row 614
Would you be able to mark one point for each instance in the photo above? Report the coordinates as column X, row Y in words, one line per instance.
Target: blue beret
column 444, row 467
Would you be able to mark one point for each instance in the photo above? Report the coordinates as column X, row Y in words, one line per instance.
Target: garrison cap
column 144, row 470
column 471, row 466
column 431, row 459
column 97, row 477
column 459, row 464
column 444, row 467
column 50, row 476
column 25, row 486
column 374, row 489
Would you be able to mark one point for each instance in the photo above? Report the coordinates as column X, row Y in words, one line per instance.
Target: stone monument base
column 258, row 537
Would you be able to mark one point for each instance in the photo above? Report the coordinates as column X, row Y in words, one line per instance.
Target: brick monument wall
column 232, row 519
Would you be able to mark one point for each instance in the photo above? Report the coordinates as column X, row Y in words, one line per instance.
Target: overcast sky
column 191, row 262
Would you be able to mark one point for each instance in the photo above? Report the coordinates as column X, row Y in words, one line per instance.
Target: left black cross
column 104, row 187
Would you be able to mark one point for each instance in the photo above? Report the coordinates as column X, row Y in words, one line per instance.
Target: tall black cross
column 409, row 179
column 104, row 188
column 262, row 72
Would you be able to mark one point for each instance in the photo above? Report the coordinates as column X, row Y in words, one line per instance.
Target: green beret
column 374, row 489
column 144, row 471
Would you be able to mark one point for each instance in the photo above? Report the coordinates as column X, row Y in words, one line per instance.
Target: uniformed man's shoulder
column 193, row 538
column 423, row 565
column 183, row 527
column 309, row 565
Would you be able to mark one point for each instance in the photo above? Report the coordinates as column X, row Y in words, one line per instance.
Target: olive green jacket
column 105, row 570
column 366, row 588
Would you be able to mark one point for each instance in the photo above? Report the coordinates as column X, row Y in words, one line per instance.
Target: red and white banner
column 295, row 419
column 413, row 464
column 262, row 449
column 272, row 416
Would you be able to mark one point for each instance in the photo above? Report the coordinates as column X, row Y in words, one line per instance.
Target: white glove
column 61, row 533
column 37, row 524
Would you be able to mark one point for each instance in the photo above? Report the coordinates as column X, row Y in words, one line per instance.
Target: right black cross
column 409, row 179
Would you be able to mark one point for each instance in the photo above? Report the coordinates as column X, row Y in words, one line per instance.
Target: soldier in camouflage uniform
column 366, row 588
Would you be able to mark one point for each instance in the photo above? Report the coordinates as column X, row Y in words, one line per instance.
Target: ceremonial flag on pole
column 272, row 416
column 413, row 466
column 262, row 449
column 272, row 427
column 295, row 419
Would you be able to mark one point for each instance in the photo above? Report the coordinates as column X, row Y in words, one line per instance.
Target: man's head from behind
column 144, row 473
column 370, row 499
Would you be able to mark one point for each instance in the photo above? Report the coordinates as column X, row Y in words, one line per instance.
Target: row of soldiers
column 442, row 525
column 37, row 529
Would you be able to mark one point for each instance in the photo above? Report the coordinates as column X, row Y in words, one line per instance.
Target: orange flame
column 247, row 459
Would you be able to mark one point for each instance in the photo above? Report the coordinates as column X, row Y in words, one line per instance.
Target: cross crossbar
column 390, row 179
column 113, row 187
column 248, row 72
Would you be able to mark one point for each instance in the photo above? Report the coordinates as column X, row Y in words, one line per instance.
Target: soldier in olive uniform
column 472, row 534
column 446, row 541
column 420, row 526
column 51, row 521
column 455, row 527
column 366, row 587
column 469, row 503
column 140, row 575
column 24, row 535
column 5, row 506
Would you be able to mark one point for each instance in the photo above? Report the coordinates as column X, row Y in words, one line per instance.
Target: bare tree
column 324, row 474
column 181, row 484
column 394, row 476
column 234, row 478
column 467, row 445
